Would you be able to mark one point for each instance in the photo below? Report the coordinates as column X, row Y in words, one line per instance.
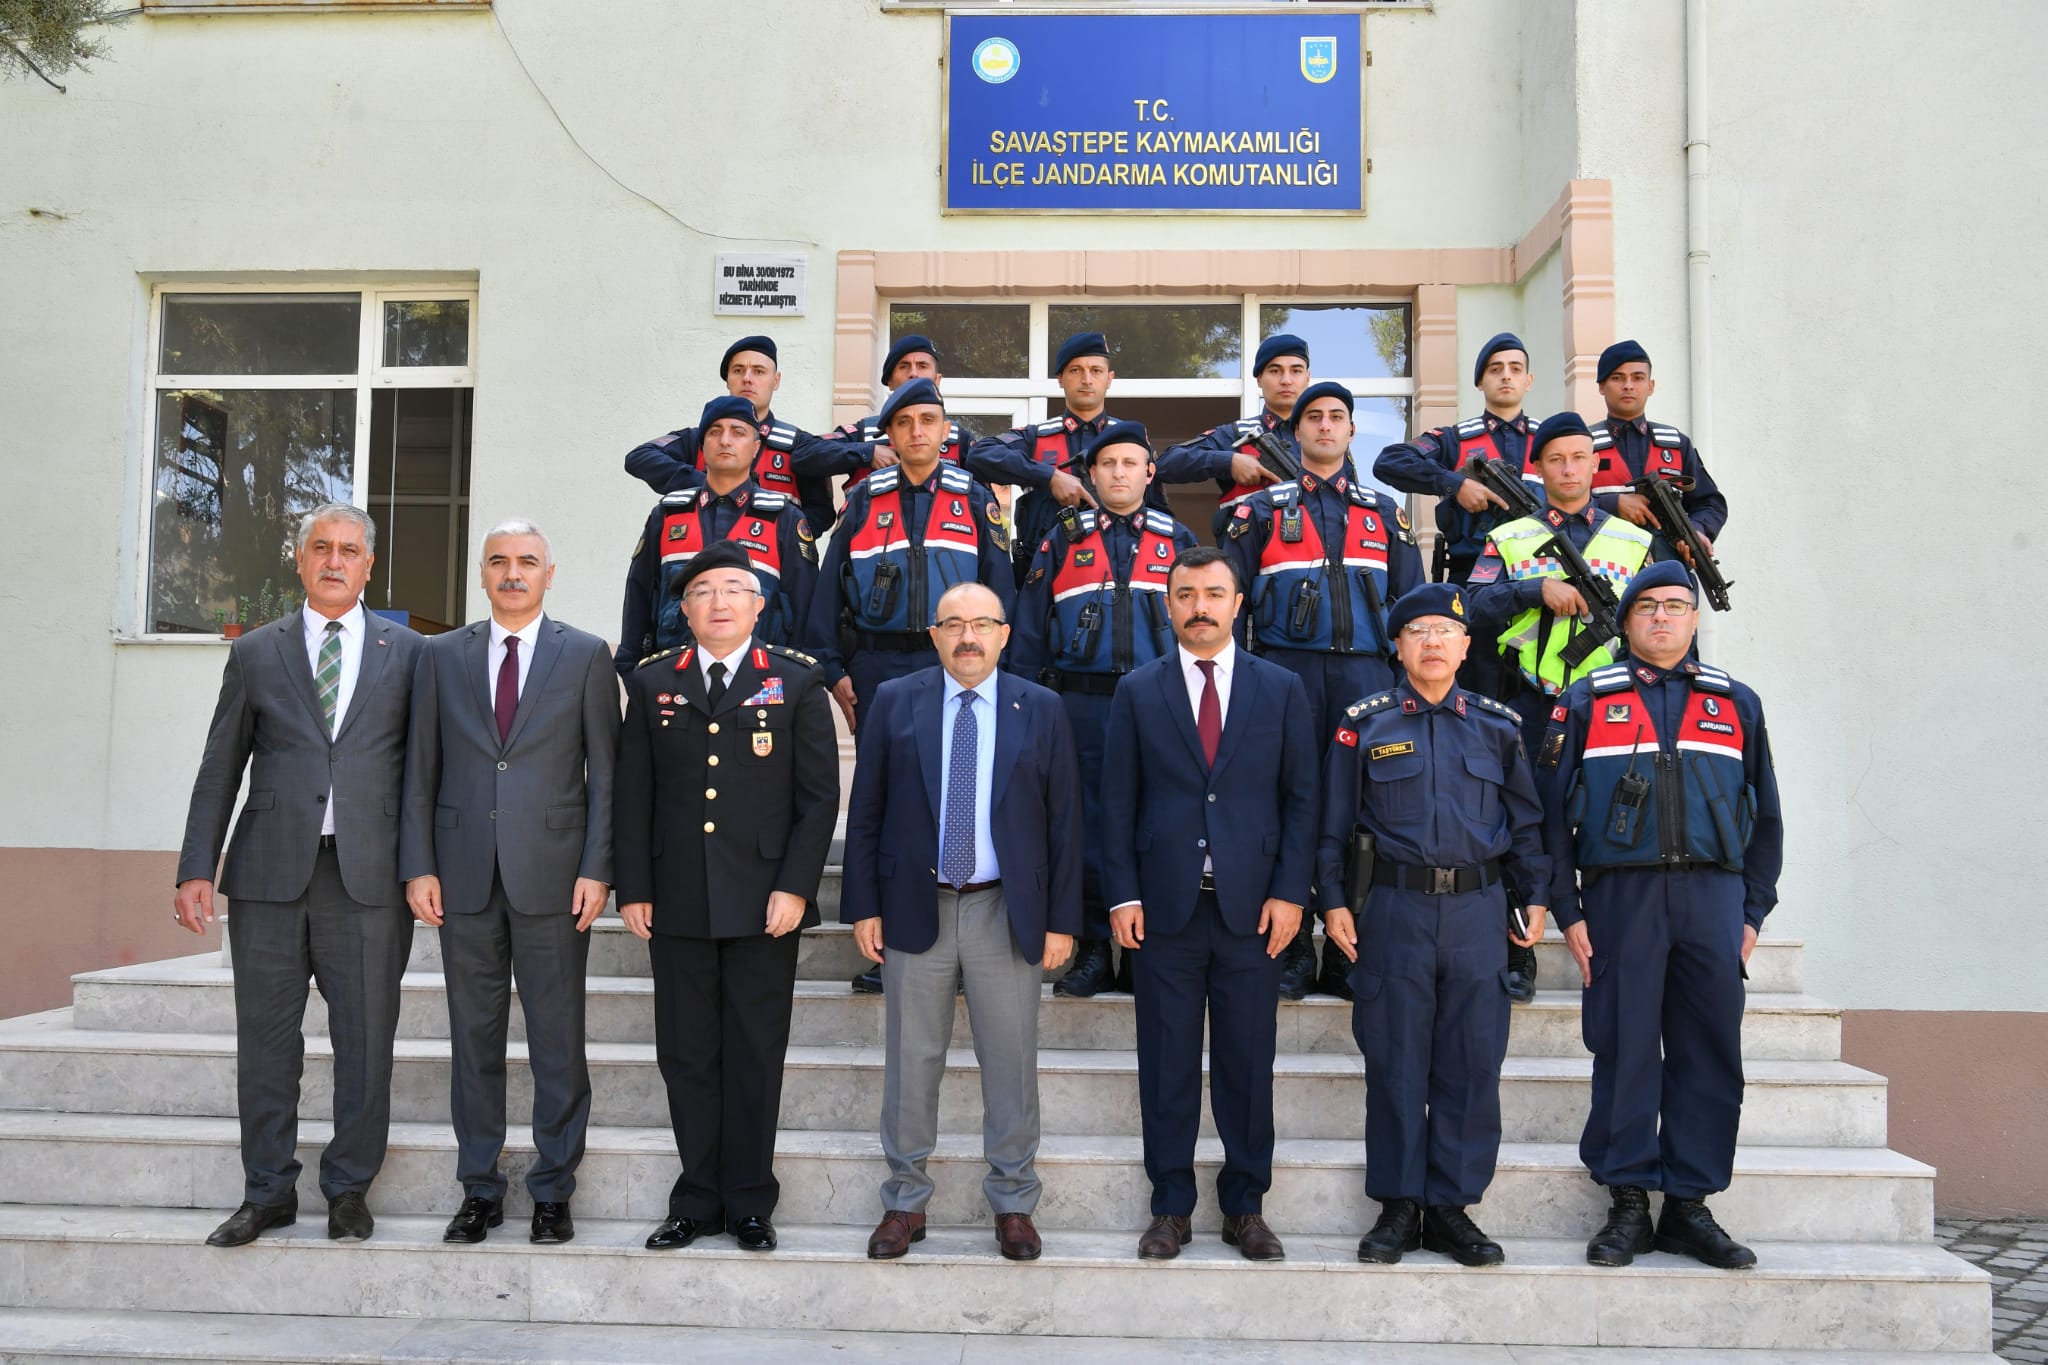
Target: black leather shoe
column 1092, row 971
column 677, row 1233
column 1521, row 974
column 868, row 982
column 1687, row 1227
column 474, row 1220
column 1298, row 964
column 1626, row 1233
column 348, row 1218
column 1447, row 1229
column 1398, row 1231
column 246, row 1222
column 552, row 1223
column 753, row 1234
column 1335, row 977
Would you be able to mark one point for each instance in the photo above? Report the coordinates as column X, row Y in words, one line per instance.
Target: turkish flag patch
column 1348, row 737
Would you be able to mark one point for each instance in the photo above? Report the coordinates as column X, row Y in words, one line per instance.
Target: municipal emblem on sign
column 996, row 60
column 1318, row 59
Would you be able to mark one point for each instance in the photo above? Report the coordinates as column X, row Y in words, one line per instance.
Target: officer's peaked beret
column 1665, row 573
column 719, row 554
column 1431, row 599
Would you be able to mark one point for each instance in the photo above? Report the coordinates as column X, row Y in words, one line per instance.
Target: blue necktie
column 956, row 859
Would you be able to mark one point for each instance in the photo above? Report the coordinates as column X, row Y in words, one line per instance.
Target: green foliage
column 47, row 38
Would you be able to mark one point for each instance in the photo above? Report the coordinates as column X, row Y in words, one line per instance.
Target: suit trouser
column 356, row 954
column 1207, row 966
column 1430, row 1015
column 481, row 954
column 721, row 1032
column 974, row 947
column 1663, row 1020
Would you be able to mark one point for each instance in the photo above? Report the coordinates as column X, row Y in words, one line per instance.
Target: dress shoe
column 868, row 982
column 1335, row 977
column 552, row 1223
column 1016, row 1238
column 1626, row 1233
column 1687, row 1227
column 1252, row 1238
column 1298, row 964
column 1521, row 974
column 894, row 1234
column 1163, row 1240
column 348, row 1217
column 677, row 1233
column 474, row 1220
column 1447, row 1229
column 1398, row 1231
column 1092, row 971
column 246, row 1222
column 753, row 1234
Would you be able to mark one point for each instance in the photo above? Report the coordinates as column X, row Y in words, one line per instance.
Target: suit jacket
column 270, row 710
column 892, row 821
column 535, row 809
column 719, row 806
column 1164, row 809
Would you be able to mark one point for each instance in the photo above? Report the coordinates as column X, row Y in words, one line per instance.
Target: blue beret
column 719, row 554
column 904, row 346
column 723, row 406
column 1665, row 573
column 1328, row 388
column 1117, row 434
column 765, row 345
column 1273, row 347
column 1431, row 599
column 1559, row 424
column 915, row 393
column 1076, row 346
column 1500, row 341
column 1618, row 355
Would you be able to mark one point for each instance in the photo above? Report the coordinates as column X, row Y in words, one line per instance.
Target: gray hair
column 339, row 511
column 520, row 526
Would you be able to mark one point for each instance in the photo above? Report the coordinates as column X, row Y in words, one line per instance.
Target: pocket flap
column 260, row 800
column 391, row 806
column 885, row 863
column 1486, row 768
column 1366, row 985
column 447, row 817
column 567, row 817
column 1394, row 767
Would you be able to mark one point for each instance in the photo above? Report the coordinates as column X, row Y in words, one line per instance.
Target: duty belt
column 893, row 641
column 1088, row 684
column 1436, row 881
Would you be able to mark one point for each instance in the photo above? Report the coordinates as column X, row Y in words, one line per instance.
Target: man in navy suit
column 1209, row 808
column 963, row 864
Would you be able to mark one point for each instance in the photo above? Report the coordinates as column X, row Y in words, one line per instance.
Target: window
column 267, row 403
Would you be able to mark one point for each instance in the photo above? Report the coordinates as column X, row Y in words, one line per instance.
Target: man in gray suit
column 319, row 698
column 507, row 847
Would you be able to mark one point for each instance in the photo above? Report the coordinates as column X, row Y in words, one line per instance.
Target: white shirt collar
column 527, row 633
column 1224, row 660
column 731, row 661
column 354, row 621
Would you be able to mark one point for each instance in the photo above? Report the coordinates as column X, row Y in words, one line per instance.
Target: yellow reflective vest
column 1616, row 551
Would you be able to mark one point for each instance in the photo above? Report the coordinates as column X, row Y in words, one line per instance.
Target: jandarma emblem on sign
column 1318, row 59
column 996, row 60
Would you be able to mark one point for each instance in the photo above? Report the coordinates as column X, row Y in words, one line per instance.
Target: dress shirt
column 494, row 657
column 353, row 625
column 731, row 661
column 983, row 698
column 1226, row 662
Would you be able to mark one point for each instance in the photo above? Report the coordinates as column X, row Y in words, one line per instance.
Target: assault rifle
column 1601, row 603
column 1494, row 475
column 1663, row 493
column 1275, row 456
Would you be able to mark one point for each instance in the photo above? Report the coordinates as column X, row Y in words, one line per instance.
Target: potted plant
column 227, row 629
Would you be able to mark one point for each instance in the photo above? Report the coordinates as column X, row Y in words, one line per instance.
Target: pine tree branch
column 30, row 63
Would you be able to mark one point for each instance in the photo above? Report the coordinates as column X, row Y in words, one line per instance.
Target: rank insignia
column 1617, row 712
column 638, row 546
column 1646, row 675
column 764, row 743
column 1036, row 574
column 1083, row 558
column 769, row 695
column 1380, row 751
column 679, row 531
column 1553, row 750
column 885, row 520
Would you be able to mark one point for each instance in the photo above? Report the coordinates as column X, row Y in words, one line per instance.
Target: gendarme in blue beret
column 724, row 406
column 909, row 345
column 1076, row 346
column 1430, row 599
column 1117, row 434
column 1273, row 347
column 1500, row 341
column 1665, row 573
column 915, row 393
column 1559, row 424
column 765, row 345
column 719, row 554
column 1619, row 354
column 1328, row 388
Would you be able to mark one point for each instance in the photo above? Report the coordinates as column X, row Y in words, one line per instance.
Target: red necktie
column 1209, row 716
column 508, row 688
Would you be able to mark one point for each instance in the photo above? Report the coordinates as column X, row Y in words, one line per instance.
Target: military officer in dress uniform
column 1321, row 558
column 726, row 792
column 750, row 370
column 1439, row 778
column 857, row 449
column 1631, row 447
column 1093, row 607
column 1662, row 823
column 1226, row 453
column 729, row 506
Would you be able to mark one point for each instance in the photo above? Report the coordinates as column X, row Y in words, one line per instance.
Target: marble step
column 36, row 1336
column 46, row 1063
column 1802, row 1295
column 1852, row 1194
column 195, row 995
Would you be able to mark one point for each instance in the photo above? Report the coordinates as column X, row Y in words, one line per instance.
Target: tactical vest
column 894, row 579
column 1248, row 428
column 1103, row 622
column 774, row 467
column 1309, row 595
column 1665, row 458
column 1640, row 803
column 754, row 529
column 1467, row 531
column 868, row 429
column 1616, row 552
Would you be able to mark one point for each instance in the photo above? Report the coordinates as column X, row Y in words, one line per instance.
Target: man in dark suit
column 728, row 788
column 318, row 699
column 963, row 863
column 507, row 848
column 1209, row 806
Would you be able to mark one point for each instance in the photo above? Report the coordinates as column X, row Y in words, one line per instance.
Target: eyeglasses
column 1661, row 606
column 1442, row 630
column 699, row 596
column 953, row 627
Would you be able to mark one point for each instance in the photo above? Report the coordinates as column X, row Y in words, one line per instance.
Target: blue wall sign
column 1154, row 113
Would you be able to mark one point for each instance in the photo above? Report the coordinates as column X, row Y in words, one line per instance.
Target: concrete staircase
column 118, row 1155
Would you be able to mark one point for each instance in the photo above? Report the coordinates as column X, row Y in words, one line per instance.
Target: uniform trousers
column 1089, row 716
column 1333, row 682
column 870, row 668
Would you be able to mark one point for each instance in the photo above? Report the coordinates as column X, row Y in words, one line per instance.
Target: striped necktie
column 328, row 674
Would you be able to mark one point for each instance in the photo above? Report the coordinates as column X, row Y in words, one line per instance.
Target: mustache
column 962, row 651
column 513, row 585
column 1201, row 620
column 329, row 576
